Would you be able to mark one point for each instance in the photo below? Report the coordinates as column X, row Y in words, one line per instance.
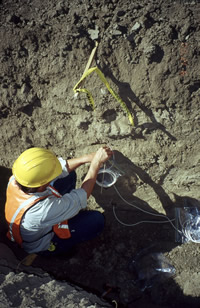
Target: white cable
column 158, row 215
column 128, row 225
column 137, row 223
column 185, row 226
column 104, row 167
column 186, row 230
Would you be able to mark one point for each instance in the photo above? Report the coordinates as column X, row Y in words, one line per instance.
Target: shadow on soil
column 142, row 237
column 129, row 97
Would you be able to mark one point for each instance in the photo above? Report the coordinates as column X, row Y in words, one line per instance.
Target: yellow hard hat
column 36, row 167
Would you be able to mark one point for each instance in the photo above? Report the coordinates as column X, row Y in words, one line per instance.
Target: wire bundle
column 190, row 228
column 191, row 225
column 144, row 221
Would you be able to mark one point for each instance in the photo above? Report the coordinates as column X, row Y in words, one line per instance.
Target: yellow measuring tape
column 86, row 73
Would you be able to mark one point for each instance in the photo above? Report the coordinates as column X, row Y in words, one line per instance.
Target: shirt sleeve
column 64, row 173
column 55, row 210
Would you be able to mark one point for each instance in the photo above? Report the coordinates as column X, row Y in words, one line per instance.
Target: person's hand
column 102, row 155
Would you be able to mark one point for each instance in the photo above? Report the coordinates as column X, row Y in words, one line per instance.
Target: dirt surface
column 26, row 286
column 149, row 53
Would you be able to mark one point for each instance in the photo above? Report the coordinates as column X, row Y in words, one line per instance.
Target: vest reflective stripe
column 62, row 230
column 55, row 192
column 11, row 179
column 23, row 205
column 12, row 220
column 17, row 203
column 62, row 226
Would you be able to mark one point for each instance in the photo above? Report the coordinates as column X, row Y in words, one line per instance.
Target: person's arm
column 74, row 163
column 101, row 156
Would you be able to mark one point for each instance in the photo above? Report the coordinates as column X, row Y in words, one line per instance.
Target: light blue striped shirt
column 37, row 222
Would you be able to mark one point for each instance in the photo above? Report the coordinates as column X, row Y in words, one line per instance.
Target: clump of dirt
column 149, row 53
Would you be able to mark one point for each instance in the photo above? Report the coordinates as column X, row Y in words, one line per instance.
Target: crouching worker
column 43, row 209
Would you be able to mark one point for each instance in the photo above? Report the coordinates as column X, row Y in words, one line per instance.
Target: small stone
column 187, row 37
column 136, row 26
column 25, row 89
column 76, row 95
column 116, row 32
column 94, row 33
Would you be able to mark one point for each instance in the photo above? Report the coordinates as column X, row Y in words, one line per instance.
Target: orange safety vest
column 17, row 203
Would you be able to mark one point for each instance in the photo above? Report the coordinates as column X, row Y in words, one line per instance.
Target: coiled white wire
column 185, row 227
column 143, row 221
column 185, row 230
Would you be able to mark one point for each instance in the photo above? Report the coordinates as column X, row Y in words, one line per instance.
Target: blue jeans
column 86, row 225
